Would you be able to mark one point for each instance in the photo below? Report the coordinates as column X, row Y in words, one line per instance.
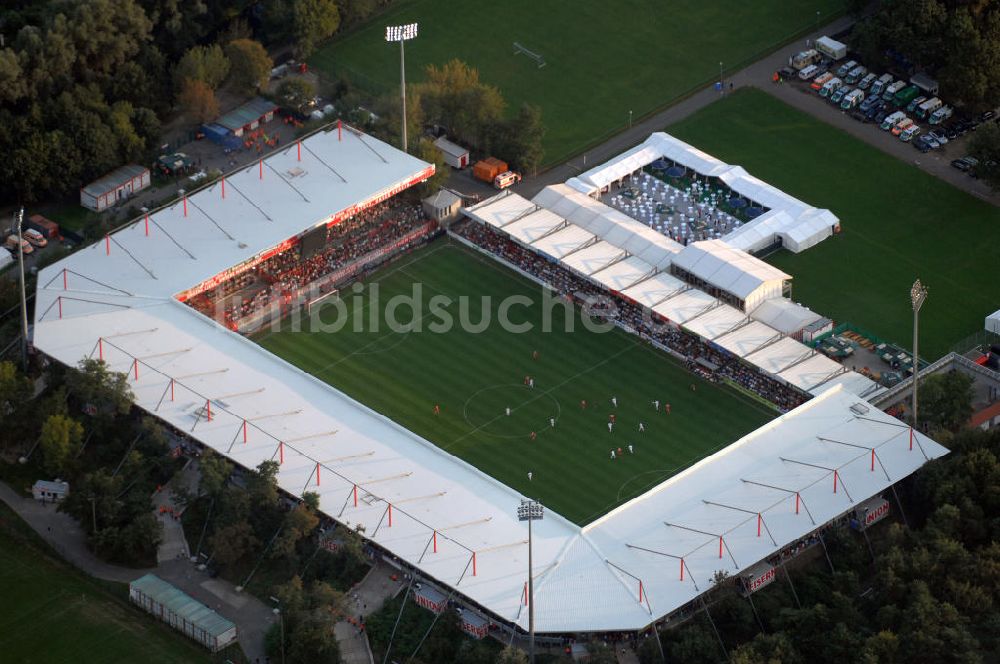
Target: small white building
column 114, row 187
column 444, row 207
column 454, row 155
column 50, row 492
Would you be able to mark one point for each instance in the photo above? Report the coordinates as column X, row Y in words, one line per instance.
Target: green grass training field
column 602, row 59
column 475, row 376
column 899, row 223
column 51, row 613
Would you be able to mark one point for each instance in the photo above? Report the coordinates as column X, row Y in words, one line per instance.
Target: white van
column 892, row 89
column 928, row 107
column 831, row 85
column 940, row 115
column 852, row 99
column 809, row 72
column 892, row 120
column 879, row 85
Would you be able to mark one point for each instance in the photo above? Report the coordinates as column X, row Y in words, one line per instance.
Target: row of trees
column 82, row 430
column 250, row 533
column 84, row 86
column 471, row 112
column 957, row 41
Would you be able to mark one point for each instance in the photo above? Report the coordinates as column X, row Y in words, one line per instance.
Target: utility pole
column 24, row 301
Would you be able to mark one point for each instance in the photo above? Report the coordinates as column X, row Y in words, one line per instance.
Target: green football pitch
column 602, row 60
column 53, row 614
column 475, row 373
column 899, row 223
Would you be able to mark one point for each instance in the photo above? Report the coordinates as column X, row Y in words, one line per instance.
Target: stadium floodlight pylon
column 401, row 34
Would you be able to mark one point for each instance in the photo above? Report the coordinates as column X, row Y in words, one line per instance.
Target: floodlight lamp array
column 397, row 33
column 530, row 510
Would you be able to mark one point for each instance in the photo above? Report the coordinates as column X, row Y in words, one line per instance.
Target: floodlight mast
column 401, row 34
column 530, row 510
column 918, row 293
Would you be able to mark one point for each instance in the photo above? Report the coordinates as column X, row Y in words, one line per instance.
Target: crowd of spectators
column 282, row 276
column 599, row 302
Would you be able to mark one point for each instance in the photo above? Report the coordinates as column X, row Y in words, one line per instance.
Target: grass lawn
column 899, row 222
column 52, row 613
column 474, row 377
column 602, row 59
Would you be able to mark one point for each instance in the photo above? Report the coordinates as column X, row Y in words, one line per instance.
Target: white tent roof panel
column 533, row 226
column 784, row 315
column 779, row 356
column 716, row 322
column 593, row 258
column 562, row 242
column 501, row 209
column 619, row 276
column 747, row 339
column 655, row 289
column 811, row 372
column 685, row 305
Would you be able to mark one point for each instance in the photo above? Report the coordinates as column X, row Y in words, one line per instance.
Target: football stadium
column 611, row 348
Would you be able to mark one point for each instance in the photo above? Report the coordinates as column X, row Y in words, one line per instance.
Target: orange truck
column 488, row 169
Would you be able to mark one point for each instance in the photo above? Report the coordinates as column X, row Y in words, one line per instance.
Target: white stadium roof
column 594, row 258
column 116, row 300
column 568, row 239
column 798, row 225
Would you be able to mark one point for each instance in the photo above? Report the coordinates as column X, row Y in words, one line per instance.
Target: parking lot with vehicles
column 906, row 108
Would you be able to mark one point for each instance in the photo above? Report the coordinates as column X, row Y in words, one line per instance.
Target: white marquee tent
column 797, row 225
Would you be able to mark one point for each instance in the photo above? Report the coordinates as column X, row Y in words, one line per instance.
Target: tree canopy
column 959, row 42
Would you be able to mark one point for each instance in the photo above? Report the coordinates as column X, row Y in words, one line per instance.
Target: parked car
column 901, row 126
column 909, row 133
column 940, row 115
column 787, row 73
column 880, row 117
column 11, row 244
column 878, row 87
column 846, row 67
column 866, row 81
column 938, row 136
column 852, row 99
column 839, row 94
column 987, row 115
column 921, row 144
column 960, row 164
column 914, row 103
column 950, row 133
column 821, row 81
column 859, row 116
column 930, row 141
column 891, row 90
column 855, row 74
column 809, row 72
column 34, row 237
column 892, row 120
column 830, row 87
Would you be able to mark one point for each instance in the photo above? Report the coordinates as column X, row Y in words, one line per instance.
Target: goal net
column 318, row 301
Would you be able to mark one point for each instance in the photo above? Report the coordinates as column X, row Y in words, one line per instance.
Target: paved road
column 365, row 598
